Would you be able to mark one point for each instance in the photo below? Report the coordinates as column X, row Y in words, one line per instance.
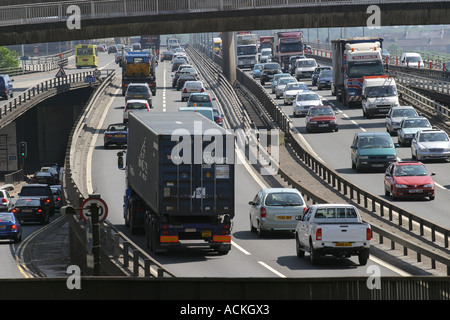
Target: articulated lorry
column 353, row 59
column 139, row 67
column 287, row 44
column 179, row 181
column 247, row 50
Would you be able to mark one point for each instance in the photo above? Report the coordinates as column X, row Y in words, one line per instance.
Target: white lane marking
column 272, row 269
column 234, row 244
column 439, row 186
column 164, row 90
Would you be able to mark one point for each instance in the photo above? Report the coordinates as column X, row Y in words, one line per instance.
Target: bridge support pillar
column 229, row 56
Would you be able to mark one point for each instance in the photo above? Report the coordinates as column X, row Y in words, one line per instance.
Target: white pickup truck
column 334, row 229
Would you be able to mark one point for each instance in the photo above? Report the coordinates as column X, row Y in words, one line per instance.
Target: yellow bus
column 86, row 55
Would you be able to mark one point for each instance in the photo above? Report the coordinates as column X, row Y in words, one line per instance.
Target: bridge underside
column 430, row 13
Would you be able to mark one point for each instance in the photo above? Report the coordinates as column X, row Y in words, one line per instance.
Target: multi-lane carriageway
column 250, row 256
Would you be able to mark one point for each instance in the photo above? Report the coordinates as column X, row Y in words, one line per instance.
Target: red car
column 408, row 180
column 321, row 118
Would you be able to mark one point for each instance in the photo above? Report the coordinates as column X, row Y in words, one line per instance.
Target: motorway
column 250, row 256
column 334, row 149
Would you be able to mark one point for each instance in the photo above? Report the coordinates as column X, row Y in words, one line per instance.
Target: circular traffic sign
column 85, row 212
column 97, row 73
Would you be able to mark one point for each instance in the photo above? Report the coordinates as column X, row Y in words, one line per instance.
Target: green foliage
column 8, row 59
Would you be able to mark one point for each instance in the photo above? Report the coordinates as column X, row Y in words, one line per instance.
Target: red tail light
column 39, row 210
column 58, row 199
column 4, row 200
column 13, row 227
column 203, row 90
column 47, row 200
column 368, row 234
column 319, row 234
column 305, row 209
column 15, row 210
column 185, row 90
column 263, row 212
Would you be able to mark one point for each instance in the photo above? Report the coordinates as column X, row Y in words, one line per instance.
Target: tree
column 8, row 59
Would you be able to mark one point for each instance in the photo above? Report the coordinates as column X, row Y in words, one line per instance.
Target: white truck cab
column 379, row 95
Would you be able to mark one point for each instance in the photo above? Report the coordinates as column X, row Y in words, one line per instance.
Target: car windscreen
column 326, row 74
column 271, row 66
column 404, row 113
column 418, row 123
column 307, row 97
column 433, row 137
column 306, row 63
column 410, row 170
column 283, row 199
column 296, row 86
column 371, row 142
column 381, row 91
column 321, row 111
column 283, row 81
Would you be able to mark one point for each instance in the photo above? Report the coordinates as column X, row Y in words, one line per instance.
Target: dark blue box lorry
column 179, row 180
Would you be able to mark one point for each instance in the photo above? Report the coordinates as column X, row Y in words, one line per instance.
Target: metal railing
column 57, row 11
column 43, row 87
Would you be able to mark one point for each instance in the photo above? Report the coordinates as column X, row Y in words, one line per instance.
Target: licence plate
column 415, row 191
column 343, row 244
column 27, row 210
column 120, row 136
column 2, row 227
column 284, row 217
column 378, row 165
column 323, row 125
column 206, row 233
column 138, row 96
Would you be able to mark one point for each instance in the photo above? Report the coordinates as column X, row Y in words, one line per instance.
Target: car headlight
column 313, row 122
column 391, row 157
column 372, row 105
column 399, row 186
column 333, row 121
column 429, row 185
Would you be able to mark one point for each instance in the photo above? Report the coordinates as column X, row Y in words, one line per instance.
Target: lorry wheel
column 300, row 252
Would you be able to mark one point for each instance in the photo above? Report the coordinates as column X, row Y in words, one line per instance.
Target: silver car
column 430, row 144
column 396, row 115
column 305, row 100
column 6, row 203
column 279, row 89
column 275, row 209
column 291, row 90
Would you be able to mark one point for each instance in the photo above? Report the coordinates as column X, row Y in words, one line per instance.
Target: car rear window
column 136, row 106
column 35, row 191
column 138, row 89
column 6, row 217
column 335, row 213
column 199, row 98
column 283, row 199
column 28, row 203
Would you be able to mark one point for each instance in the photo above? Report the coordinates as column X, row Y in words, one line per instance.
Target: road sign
column 97, row 73
column 89, row 79
column 35, row 50
column 61, row 73
column 102, row 209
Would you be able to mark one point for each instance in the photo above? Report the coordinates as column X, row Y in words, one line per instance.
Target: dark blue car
column 115, row 134
column 10, row 228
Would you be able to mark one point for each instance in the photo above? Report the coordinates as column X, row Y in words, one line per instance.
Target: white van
column 412, row 59
column 379, row 95
column 304, row 68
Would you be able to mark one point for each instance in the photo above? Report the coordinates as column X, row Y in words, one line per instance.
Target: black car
column 32, row 209
column 115, row 134
column 183, row 78
column 42, row 191
column 44, row 177
column 268, row 71
column 316, row 73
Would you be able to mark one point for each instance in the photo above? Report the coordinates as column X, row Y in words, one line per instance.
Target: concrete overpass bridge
column 75, row 20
